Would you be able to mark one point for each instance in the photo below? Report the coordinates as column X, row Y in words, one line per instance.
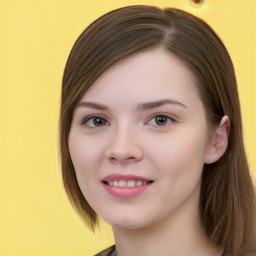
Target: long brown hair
column 227, row 202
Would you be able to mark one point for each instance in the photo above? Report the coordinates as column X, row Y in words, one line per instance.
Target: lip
column 125, row 192
column 124, row 177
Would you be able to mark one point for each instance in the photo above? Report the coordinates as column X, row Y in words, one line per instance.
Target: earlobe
column 218, row 143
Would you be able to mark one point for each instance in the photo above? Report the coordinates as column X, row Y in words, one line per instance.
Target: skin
column 128, row 139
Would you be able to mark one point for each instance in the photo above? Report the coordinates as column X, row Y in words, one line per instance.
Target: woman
column 151, row 137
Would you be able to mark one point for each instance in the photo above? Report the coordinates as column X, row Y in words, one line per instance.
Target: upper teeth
column 128, row 183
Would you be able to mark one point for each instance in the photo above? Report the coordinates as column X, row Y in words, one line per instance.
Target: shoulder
column 111, row 251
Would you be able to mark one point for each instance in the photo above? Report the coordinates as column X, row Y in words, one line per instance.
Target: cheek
column 82, row 151
column 181, row 156
column 85, row 156
column 179, row 165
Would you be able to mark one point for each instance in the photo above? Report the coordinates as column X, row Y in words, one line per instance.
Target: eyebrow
column 140, row 107
column 92, row 105
column 158, row 103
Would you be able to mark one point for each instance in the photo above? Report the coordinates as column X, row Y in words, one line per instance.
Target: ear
column 218, row 142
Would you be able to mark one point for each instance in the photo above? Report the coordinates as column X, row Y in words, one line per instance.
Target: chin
column 129, row 226
column 129, row 222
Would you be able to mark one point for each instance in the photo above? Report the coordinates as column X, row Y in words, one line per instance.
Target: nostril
column 122, row 159
column 124, row 154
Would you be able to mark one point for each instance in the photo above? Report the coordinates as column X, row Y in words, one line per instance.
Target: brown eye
column 161, row 120
column 96, row 122
column 99, row 121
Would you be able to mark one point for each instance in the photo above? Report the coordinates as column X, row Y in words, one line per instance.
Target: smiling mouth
column 127, row 183
column 126, row 186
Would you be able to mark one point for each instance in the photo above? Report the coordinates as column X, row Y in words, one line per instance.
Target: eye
column 95, row 121
column 160, row 120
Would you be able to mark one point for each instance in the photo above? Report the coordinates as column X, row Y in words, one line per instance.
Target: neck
column 180, row 234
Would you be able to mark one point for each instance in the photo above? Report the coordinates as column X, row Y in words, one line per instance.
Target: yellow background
column 35, row 39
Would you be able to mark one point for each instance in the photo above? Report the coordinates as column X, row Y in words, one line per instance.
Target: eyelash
column 86, row 120
column 92, row 118
column 154, row 118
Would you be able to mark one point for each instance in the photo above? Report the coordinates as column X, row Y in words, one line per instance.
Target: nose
column 124, row 146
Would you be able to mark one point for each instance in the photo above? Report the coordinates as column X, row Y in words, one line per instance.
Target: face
column 138, row 140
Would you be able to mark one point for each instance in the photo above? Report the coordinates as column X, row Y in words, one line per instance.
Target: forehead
column 146, row 76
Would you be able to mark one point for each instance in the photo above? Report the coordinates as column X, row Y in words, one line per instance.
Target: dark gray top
column 111, row 251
